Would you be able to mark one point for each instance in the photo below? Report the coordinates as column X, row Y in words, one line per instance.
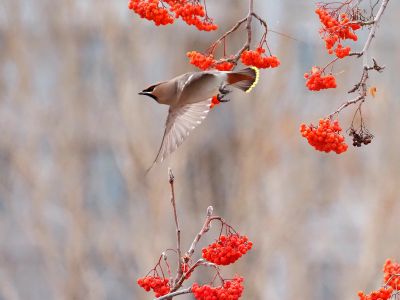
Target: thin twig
column 374, row 23
column 345, row 104
column 246, row 46
column 233, row 29
column 203, row 230
column 176, row 293
column 189, row 253
column 373, row 29
column 361, row 86
column 200, row 262
column 178, row 230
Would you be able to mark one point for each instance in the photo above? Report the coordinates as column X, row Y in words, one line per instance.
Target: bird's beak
column 150, row 94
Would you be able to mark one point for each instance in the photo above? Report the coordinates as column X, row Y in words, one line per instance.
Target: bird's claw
column 223, row 91
column 220, row 98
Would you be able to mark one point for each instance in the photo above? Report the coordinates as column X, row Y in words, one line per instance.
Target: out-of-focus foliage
column 78, row 218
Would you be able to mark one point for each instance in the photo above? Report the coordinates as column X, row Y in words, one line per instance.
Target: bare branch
column 203, row 230
column 371, row 35
column 246, row 46
column 345, row 104
column 176, row 293
column 200, row 262
column 361, row 86
column 178, row 230
column 233, row 29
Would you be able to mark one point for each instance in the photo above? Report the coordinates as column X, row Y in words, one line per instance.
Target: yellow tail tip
column 255, row 81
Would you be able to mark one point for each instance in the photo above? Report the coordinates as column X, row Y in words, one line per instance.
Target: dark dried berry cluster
column 360, row 137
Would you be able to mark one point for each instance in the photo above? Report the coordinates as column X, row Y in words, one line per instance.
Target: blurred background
column 78, row 218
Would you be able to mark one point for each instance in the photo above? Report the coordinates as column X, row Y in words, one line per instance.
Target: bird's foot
column 223, row 90
column 221, row 97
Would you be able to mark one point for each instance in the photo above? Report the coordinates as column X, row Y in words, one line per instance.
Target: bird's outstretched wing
column 180, row 121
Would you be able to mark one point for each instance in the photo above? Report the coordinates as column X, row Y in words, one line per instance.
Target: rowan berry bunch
column 391, row 287
column 341, row 51
column 340, row 23
column 229, row 290
column 336, row 28
column 159, row 285
column 228, row 61
column 383, row 293
column 258, row 59
column 164, row 12
column 151, row 11
column 192, row 14
column 326, row 137
column 227, row 249
column 224, row 66
column 205, row 62
column 316, row 80
column 391, row 272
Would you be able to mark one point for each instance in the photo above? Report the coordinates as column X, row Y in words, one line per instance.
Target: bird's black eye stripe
column 150, row 88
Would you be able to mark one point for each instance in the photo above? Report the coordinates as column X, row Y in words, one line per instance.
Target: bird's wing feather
column 180, row 121
column 193, row 77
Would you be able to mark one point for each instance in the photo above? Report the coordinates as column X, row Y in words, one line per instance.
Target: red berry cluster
column 257, row 59
column 390, row 269
column 192, row 14
column 336, row 28
column 227, row 249
column 381, row 294
column 224, row 66
column 326, row 137
column 316, row 81
column 159, row 285
column 391, row 278
column 156, row 11
column 151, row 11
column 205, row 62
column 214, row 101
column 230, row 290
column 342, row 52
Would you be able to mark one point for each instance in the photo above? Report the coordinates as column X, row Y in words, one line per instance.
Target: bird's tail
column 245, row 79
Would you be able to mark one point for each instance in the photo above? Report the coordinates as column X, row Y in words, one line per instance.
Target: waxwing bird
column 189, row 98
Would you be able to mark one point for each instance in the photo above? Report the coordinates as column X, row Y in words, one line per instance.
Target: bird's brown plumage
column 189, row 97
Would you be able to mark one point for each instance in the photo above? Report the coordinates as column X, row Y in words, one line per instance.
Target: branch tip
column 210, row 210
column 171, row 176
